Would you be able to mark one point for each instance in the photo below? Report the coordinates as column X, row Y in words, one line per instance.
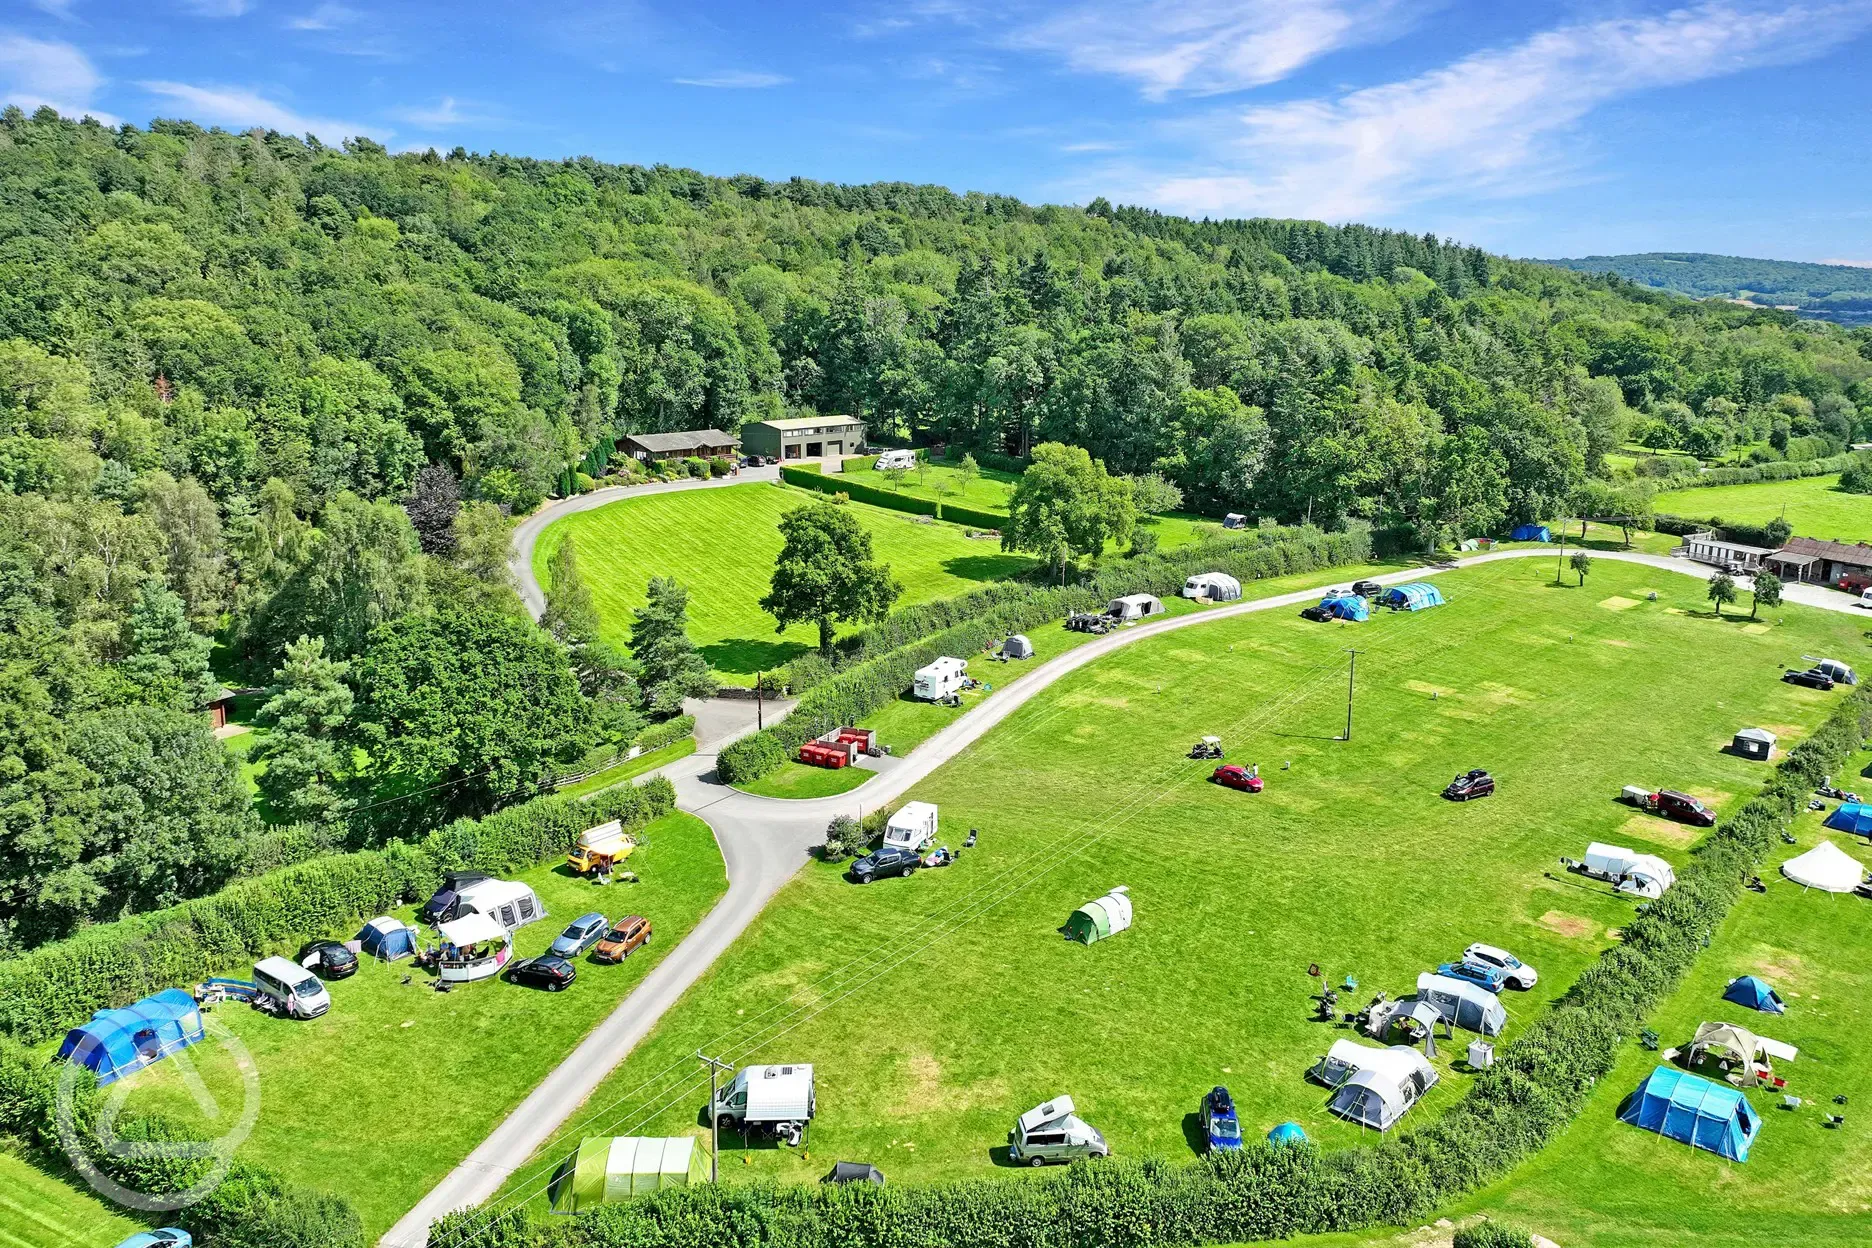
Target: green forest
column 268, row 409
column 1834, row 291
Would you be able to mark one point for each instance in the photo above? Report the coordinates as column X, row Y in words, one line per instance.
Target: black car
column 1813, row 678
column 1477, row 783
column 1317, row 614
column 327, row 959
column 545, row 971
column 444, row 905
column 1367, row 589
column 883, row 863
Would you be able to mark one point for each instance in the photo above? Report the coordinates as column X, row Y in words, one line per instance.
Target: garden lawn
column 38, row 1211
column 938, row 1008
column 610, row 777
column 1815, row 506
column 722, row 543
column 385, row 1094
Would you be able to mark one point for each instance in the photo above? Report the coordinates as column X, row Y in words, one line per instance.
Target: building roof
column 1701, row 540
column 687, row 440
column 1840, row 552
column 793, row 423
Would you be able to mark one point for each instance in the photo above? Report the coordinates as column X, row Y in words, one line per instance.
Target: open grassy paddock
column 721, row 544
column 385, row 1094
column 1815, row 506
column 39, row 1211
column 938, row 1008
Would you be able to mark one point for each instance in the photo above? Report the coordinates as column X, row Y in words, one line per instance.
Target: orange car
column 625, row 935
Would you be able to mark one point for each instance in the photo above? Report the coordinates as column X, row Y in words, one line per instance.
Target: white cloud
column 447, row 111
column 238, row 108
column 39, row 72
column 1851, row 264
column 325, row 17
column 734, row 79
column 61, row 9
column 1205, row 47
column 216, row 8
column 1491, row 123
column 1090, row 147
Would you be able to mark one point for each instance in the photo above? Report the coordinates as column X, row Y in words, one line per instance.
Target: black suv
column 1317, row 614
column 1367, row 589
column 883, row 863
column 1813, row 678
column 1477, row 783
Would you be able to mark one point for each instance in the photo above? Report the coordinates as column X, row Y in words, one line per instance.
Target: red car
column 1235, row 776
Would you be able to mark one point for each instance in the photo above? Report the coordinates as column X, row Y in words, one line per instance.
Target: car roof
column 593, row 917
column 1495, row 951
column 628, row 919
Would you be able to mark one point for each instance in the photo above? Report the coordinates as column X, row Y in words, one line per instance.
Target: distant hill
column 1835, row 292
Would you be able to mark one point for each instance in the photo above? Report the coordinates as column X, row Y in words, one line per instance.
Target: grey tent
column 1385, row 1085
column 854, row 1172
column 1017, row 647
column 1463, row 1004
column 1756, row 743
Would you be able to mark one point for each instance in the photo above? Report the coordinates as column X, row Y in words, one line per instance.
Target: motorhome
column 1053, row 1132
column 940, row 679
column 778, row 1100
column 895, row 459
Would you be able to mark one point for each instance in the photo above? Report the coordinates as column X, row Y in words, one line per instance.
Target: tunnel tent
column 1854, row 817
column 1346, row 607
column 1756, row 994
column 1101, row 917
column 1531, row 533
column 607, row 1169
column 387, row 939
column 1414, row 596
column 1826, row 867
column 1695, row 1111
column 122, row 1041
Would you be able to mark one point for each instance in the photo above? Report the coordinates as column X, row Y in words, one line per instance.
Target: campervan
column 912, row 827
column 600, row 848
column 508, row 903
column 286, row 988
column 895, row 459
column 940, row 679
column 776, row 1099
column 1054, row 1132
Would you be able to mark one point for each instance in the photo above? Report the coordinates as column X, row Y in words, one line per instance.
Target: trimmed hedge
column 1780, row 470
column 1537, row 1085
column 46, row 991
column 807, row 479
column 956, row 513
column 971, row 622
column 670, row 731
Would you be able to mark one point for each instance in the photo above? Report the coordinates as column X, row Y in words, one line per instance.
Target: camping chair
column 1836, row 1120
column 1648, row 1038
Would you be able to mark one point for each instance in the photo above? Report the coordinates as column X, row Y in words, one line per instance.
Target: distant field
column 37, row 1211
column 722, row 543
column 1815, row 506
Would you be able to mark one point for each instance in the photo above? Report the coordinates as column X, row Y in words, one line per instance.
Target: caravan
column 890, row 460
column 940, row 679
column 912, row 827
column 1054, row 1132
column 1642, row 875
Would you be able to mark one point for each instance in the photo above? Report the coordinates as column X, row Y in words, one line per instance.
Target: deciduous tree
column 1765, row 592
column 1067, row 504
column 826, row 574
column 1722, row 590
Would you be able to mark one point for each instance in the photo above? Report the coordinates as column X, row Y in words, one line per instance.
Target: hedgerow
column 1779, row 470
column 1538, row 1084
column 809, row 480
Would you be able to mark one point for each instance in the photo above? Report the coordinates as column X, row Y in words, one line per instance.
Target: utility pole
column 715, row 1069
column 1351, row 675
column 760, row 710
column 1559, row 570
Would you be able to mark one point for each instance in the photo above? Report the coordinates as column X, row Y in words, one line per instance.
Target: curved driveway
column 764, row 841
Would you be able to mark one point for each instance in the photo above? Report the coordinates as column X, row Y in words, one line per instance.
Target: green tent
column 1100, row 917
column 613, row 1168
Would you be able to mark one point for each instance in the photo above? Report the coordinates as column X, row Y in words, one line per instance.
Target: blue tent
column 387, row 938
column 1287, row 1133
column 1415, row 596
column 1757, row 994
column 1346, row 606
column 1851, row 817
column 1694, row 1111
column 119, row 1042
column 1530, row 533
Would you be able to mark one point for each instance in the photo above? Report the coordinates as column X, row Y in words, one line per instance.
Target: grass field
column 1815, row 506
column 37, row 1211
column 385, row 1094
column 630, row 770
column 721, row 544
column 938, row 1008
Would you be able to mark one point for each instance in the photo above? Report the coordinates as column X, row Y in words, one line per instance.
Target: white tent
column 1133, row 607
column 473, row 929
column 1215, row 586
column 1645, row 875
column 1825, row 866
column 510, row 902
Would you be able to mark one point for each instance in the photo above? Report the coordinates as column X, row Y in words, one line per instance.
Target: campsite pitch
column 937, row 1008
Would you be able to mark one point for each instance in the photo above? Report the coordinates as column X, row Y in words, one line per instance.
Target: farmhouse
column 692, row 444
column 1705, row 548
column 1825, row 563
column 804, row 437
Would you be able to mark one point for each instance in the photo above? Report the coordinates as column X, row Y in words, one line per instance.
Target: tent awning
column 472, row 929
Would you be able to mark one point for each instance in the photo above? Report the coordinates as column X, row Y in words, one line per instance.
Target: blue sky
column 1545, row 128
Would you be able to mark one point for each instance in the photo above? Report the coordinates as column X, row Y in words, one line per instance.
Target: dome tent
column 387, row 938
column 1827, row 867
column 1757, row 994
column 1695, row 1111
column 119, row 1042
column 1854, row 817
column 1287, row 1133
column 1100, row 917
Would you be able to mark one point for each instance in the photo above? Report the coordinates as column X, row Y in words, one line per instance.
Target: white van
column 895, row 459
column 779, row 1100
column 1053, row 1132
column 940, row 679
column 288, row 989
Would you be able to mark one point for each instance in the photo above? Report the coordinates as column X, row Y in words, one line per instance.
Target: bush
column 583, row 483
column 1857, row 478
column 719, row 467
column 840, row 498
column 1491, row 1235
column 656, row 736
column 843, row 839
column 750, row 758
column 696, row 467
column 992, row 521
column 1143, row 542
column 807, row 672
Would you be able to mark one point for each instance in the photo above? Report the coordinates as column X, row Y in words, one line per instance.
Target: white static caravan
column 512, row 905
column 912, row 827
column 1133, row 607
column 940, row 679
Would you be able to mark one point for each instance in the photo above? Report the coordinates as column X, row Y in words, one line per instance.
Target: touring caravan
column 940, row 679
column 779, row 1100
column 912, row 827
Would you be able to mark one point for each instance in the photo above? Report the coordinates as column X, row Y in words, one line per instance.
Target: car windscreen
column 1225, row 1129
column 307, row 988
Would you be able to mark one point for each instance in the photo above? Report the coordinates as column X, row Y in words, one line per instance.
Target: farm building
column 1416, row 596
column 1693, row 1110
column 1756, row 994
column 692, row 444
column 1133, row 607
column 1706, row 548
column 1215, row 586
column 1755, row 743
column 1346, row 607
column 1854, row 817
column 1826, row 867
column 1827, row 563
column 1100, row 917
column 804, row 437
column 119, row 1042
column 612, row 1168
column 1531, row 533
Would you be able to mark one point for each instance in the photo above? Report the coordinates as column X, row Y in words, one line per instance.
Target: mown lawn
column 938, row 1008
column 385, row 1094
column 722, row 543
column 38, row 1211
column 1815, row 506
column 631, row 769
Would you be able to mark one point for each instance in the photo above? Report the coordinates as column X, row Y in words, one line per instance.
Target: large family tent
column 1692, row 1110
column 1346, row 607
column 1416, row 596
column 119, row 1042
column 387, row 938
column 1642, row 875
column 1133, row 607
column 1854, row 817
column 1101, row 917
column 1463, row 1004
column 1530, row 533
column 1757, row 994
column 613, row 1168
column 1826, row 866
column 1385, row 1085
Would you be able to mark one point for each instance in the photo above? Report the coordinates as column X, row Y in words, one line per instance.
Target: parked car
column 327, row 959
column 1476, row 783
column 1220, row 1125
column 1812, row 678
column 1485, row 976
column 546, row 971
column 1316, row 613
column 1684, row 808
column 883, row 863
column 580, row 934
column 1518, row 973
column 165, row 1237
column 1236, row 776
column 1367, row 589
column 625, row 937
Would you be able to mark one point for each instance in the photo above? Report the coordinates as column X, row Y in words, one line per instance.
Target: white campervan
column 895, row 459
column 912, row 827
column 288, row 989
column 1054, row 1132
column 777, row 1099
column 511, row 904
column 940, row 679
